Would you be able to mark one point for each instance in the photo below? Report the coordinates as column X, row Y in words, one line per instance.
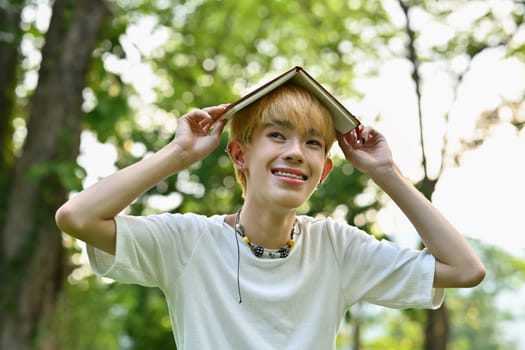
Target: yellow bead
column 246, row 239
column 291, row 243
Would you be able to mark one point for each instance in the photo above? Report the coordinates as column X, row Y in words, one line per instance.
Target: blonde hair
column 299, row 107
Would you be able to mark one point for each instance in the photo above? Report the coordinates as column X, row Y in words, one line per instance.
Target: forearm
column 114, row 193
column 108, row 197
column 458, row 263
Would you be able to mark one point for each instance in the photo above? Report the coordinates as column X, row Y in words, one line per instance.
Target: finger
column 361, row 133
column 198, row 115
column 199, row 121
column 365, row 133
column 352, row 138
column 341, row 138
column 216, row 111
column 344, row 144
column 218, row 128
column 370, row 134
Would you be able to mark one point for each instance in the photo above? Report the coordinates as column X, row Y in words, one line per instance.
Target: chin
column 293, row 201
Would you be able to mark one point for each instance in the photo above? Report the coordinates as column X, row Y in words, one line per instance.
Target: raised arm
column 456, row 263
column 89, row 215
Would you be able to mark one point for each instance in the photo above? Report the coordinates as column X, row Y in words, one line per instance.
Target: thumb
column 218, row 127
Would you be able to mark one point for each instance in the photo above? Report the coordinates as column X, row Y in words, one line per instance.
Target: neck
column 269, row 228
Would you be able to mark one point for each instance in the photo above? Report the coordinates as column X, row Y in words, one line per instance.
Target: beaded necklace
column 259, row 251
column 262, row 252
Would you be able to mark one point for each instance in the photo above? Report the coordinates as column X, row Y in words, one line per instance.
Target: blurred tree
column 466, row 44
column 31, row 255
column 9, row 58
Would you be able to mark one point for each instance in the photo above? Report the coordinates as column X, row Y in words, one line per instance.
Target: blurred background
column 90, row 86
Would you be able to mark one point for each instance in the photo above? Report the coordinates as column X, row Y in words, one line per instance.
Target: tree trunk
column 437, row 321
column 437, row 329
column 31, row 253
column 9, row 42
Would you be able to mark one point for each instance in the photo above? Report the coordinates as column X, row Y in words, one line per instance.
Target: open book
column 344, row 121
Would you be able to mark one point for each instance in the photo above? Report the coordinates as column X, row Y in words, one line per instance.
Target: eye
column 314, row 142
column 276, row 135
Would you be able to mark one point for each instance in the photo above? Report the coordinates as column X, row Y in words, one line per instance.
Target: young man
column 264, row 277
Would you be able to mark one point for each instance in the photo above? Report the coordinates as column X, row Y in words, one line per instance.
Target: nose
column 294, row 150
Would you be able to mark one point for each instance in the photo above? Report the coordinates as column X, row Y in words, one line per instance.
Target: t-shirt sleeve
column 387, row 274
column 145, row 246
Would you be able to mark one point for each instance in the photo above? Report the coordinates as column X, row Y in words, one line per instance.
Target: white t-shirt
column 292, row 303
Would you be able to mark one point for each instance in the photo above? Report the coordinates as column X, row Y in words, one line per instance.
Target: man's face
column 283, row 165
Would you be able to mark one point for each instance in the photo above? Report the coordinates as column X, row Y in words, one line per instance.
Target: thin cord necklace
column 260, row 251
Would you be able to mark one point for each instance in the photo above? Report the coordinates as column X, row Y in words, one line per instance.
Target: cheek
column 317, row 159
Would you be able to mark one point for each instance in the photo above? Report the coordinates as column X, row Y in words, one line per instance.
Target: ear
column 328, row 166
column 236, row 152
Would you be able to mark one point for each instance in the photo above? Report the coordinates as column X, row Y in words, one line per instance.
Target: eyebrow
column 279, row 122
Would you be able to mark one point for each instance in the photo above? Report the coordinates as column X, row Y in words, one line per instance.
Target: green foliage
column 89, row 315
column 111, row 107
column 146, row 306
column 403, row 334
column 69, row 175
column 478, row 315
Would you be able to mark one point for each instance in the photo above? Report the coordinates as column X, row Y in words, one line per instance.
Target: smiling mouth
column 289, row 175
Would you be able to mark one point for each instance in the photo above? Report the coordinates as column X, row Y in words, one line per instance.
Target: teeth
column 293, row 176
